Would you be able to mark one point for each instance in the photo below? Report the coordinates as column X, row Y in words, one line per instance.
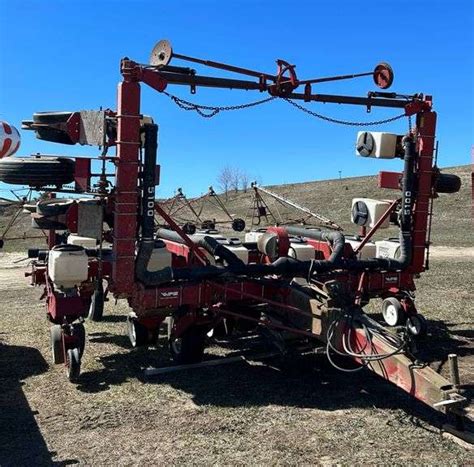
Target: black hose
column 335, row 238
column 210, row 244
column 147, row 243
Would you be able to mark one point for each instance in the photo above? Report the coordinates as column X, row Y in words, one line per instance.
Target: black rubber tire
column 417, row 325
column 189, row 228
column 79, row 332
column 189, row 347
column 73, row 364
column 47, row 223
column 238, row 225
column 96, row 310
column 52, row 134
column 57, row 351
column 447, row 183
column 37, row 171
column 54, row 208
column 137, row 333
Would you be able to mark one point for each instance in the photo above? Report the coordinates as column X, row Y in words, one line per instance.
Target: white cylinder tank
column 67, row 266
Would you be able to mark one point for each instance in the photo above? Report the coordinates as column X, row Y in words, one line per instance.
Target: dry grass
column 290, row 410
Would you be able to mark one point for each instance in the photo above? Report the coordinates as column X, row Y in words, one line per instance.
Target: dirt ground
column 287, row 410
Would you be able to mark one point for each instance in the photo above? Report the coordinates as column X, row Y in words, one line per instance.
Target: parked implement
column 197, row 281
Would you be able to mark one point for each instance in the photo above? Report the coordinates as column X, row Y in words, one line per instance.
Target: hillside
column 452, row 221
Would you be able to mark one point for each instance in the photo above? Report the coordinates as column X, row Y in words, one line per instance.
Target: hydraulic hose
column 210, row 244
column 147, row 243
column 335, row 238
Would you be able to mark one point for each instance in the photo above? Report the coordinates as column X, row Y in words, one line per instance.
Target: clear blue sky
column 64, row 55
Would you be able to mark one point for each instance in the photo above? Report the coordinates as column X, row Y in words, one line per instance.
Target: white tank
column 160, row 257
column 254, row 235
column 389, row 248
column 9, row 139
column 235, row 245
column 374, row 211
column 368, row 250
column 67, row 266
column 300, row 250
column 85, row 242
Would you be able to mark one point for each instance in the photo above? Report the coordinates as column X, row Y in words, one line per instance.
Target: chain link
column 186, row 105
column 341, row 122
column 214, row 110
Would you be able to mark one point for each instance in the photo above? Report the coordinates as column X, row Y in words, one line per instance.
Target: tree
column 225, row 178
column 244, row 181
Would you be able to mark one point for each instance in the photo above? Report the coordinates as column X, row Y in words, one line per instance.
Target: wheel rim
column 390, row 315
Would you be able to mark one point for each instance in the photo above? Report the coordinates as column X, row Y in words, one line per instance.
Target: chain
column 186, row 105
column 214, row 110
column 341, row 122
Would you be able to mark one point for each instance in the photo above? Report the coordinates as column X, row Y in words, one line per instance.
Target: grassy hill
column 452, row 221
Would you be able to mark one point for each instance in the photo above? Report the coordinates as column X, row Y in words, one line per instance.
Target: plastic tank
column 300, row 250
column 67, row 266
column 368, row 250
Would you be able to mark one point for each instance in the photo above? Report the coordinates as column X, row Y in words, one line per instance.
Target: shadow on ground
column 307, row 381
column 21, row 442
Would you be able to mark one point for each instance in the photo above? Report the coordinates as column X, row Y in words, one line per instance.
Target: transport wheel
column 393, row 312
column 238, row 224
column 417, row 325
column 79, row 332
column 54, row 208
column 57, row 349
column 189, row 228
column 137, row 333
column 96, row 310
column 37, row 171
column 189, row 347
column 73, row 364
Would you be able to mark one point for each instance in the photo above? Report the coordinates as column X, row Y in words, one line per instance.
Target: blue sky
column 64, row 55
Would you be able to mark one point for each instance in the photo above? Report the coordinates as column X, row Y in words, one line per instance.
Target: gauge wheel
column 189, row 347
column 238, row 224
column 96, row 309
column 79, row 333
column 73, row 364
column 393, row 312
column 417, row 325
column 57, row 346
column 137, row 333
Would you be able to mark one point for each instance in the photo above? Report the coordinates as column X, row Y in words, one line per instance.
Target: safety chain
column 341, row 122
column 186, row 105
